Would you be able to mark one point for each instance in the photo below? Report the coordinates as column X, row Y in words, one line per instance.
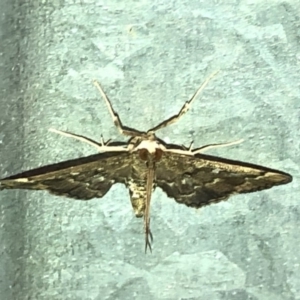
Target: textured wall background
column 150, row 57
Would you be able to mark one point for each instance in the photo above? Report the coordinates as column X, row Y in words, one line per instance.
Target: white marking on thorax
column 151, row 146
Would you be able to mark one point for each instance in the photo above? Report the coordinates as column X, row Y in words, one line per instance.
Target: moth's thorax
column 150, row 145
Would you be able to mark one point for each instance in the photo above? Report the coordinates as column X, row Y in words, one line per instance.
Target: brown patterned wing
column 200, row 180
column 84, row 178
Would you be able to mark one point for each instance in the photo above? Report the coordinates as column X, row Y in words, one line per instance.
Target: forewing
column 203, row 179
column 83, row 178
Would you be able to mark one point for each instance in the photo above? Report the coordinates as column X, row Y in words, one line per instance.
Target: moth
column 145, row 162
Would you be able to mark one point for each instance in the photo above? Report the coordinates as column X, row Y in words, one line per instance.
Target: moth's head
column 151, row 135
column 140, row 137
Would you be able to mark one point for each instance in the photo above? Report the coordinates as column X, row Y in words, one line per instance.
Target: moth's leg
column 148, row 237
column 212, row 146
column 149, row 187
column 190, row 146
column 104, row 143
column 114, row 115
column 190, row 151
column 185, row 107
column 102, row 148
column 180, row 151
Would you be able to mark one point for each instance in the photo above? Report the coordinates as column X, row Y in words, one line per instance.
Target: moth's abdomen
column 137, row 181
column 138, row 194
